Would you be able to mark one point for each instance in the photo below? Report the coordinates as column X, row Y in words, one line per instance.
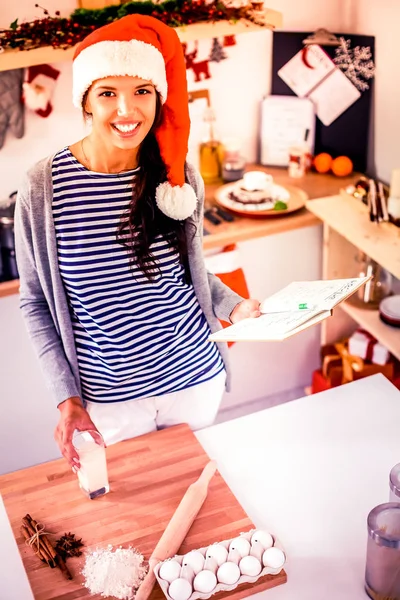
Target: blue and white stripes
column 134, row 337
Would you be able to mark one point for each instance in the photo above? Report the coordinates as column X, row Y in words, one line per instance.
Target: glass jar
column 211, row 151
column 377, row 288
column 382, row 574
column 394, row 483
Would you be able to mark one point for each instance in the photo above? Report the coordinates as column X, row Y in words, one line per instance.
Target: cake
column 244, row 196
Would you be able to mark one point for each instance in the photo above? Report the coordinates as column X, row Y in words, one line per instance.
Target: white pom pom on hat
column 177, row 202
column 144, row 47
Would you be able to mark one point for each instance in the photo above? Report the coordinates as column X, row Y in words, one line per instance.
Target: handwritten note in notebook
column 296, row 307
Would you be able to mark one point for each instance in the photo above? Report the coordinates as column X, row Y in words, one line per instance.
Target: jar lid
column 394, row 480
column 384, row 525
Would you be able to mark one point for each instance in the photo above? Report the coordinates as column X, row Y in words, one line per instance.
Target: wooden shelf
column 7, row 288
column 17, row 59
column 350, row 218
column 370, row 321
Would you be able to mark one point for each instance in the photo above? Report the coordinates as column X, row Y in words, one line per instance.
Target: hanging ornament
column 38, row 88
column 217, row 52
column 200, row 68
column 229, row 40
column 356, row 63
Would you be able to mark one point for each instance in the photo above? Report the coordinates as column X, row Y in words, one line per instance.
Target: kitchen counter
column 309, row 471
column 314, row 184
column 148, row 478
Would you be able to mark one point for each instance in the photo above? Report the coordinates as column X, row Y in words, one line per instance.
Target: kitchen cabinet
column 346, row 231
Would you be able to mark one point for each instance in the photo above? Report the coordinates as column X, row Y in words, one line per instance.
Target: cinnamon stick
column 39, row 544
column 46, row 542
column 43, row 538
column 40, row 553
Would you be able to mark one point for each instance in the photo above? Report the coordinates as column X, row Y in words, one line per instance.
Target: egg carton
column 220, row 587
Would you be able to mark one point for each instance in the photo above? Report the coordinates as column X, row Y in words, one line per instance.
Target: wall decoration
column 217, row 52
column 356, row 63
column 60, row 32
column 38, row 88
column 200, row 68
column 229, row 40
column 11, row 108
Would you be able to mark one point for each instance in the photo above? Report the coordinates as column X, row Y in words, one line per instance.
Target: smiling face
column 123, row 110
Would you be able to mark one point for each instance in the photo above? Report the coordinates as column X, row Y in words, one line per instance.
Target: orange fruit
column 322, row 162
column 342, row 166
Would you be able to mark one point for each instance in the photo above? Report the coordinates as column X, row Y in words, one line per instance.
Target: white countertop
column 309, row 471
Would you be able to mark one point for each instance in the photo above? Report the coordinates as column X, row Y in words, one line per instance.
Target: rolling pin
column 178, row 527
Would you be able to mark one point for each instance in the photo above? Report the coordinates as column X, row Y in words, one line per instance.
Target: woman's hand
column 73, row 416
column 244, row 310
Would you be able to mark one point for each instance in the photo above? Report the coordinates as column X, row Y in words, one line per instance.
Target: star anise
column 68, row 545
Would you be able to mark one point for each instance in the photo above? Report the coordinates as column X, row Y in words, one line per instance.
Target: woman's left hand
column 245, row 309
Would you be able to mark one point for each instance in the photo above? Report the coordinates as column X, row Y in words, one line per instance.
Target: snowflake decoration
column 356, row 63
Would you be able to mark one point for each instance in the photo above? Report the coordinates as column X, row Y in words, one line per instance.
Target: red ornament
column 229, row 40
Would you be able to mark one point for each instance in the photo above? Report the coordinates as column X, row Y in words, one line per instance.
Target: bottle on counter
column 233, row 164
column 211, row 150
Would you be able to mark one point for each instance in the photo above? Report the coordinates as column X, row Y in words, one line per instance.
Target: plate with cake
column 257, row 195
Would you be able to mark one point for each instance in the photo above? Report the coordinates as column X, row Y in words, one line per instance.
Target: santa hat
column 144, row 47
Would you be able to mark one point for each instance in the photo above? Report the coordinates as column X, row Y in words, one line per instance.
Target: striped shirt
column 134, row 338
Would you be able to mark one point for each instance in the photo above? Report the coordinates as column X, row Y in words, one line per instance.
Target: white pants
column 197, row 406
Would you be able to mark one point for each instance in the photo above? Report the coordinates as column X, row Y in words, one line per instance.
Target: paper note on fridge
column 296, row 307
column 312, row 74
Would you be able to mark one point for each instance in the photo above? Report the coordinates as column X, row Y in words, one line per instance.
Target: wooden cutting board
column 148, row 477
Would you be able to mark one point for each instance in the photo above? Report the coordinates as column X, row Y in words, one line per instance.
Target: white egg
column 234, row 557
column 263, row 537
column 170, row 570
column 187, row 573
column 204, row 582
column 241, row 545
column 228, row 573
column 194, row 559
column 217, row 551
column 257, row 550
column 180, row 589
column 273, row 558
column 210, row 564
column 250, row 565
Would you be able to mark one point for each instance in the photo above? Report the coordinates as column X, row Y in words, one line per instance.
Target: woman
column 109, row 246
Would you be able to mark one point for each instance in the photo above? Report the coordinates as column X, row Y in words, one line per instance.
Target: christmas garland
column 60, row 32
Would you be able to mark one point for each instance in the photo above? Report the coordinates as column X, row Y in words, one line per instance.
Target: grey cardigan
column 43, row 299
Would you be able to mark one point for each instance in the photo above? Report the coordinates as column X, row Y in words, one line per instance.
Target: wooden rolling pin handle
column 177, row 528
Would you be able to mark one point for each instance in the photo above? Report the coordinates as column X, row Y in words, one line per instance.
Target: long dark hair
column 143, row 220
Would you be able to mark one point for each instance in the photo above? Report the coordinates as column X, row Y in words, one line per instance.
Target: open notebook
column 296, row 307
